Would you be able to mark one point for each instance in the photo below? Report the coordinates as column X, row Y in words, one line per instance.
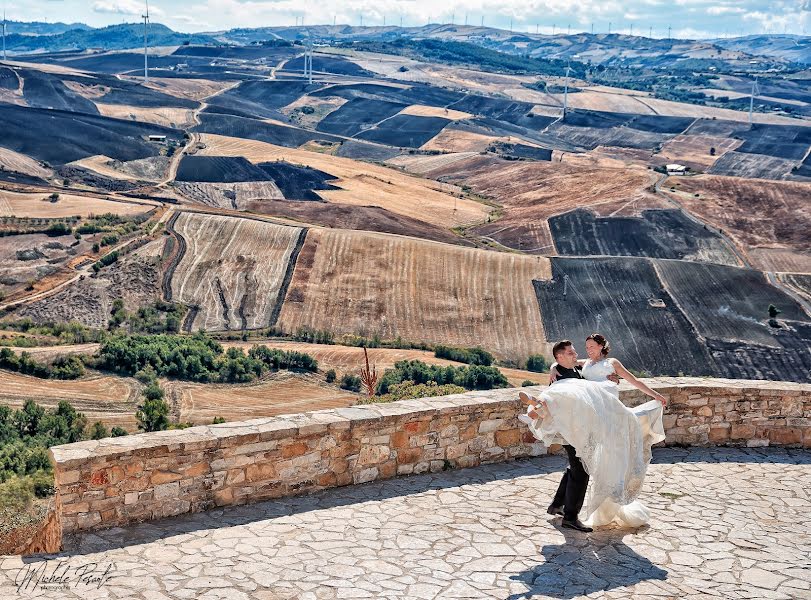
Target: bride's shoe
column 528, row 400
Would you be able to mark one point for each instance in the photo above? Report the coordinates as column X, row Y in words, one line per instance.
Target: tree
column 98, row 431
column 712, row 151
column 153, row 412
column 330, row 376
column 537, row 363
column 773, row 311
column 117, row 432
column 350, row 382
column 54, row 197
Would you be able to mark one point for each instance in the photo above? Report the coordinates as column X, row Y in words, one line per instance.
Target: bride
column 613, row 441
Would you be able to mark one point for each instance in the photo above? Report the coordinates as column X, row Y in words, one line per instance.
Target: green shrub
column 472, row 356
column 118, row 432
column 350, row 382
column 218, row 420
column 474, row 377
column 330, row 376
column 537, row 363
column 408, row 390
column 527, row 383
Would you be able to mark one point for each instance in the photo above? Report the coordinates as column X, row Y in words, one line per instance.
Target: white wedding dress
column 613, row 441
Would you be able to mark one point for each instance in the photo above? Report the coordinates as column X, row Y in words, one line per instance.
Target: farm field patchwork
column 752, row 166
column 365, row 283
column 405, row 130
column 357, row 115
column 364, row 184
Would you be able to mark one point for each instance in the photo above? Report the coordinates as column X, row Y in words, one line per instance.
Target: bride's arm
column 629, row 377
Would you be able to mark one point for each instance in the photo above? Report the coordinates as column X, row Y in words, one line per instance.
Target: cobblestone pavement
column 726, row 523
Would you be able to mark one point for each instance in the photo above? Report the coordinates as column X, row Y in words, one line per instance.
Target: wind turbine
column 752, row 99
column 4, row 33
column 566, row 91
column 145, row 17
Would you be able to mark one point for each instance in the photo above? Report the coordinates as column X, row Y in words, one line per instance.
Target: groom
column 572, row 489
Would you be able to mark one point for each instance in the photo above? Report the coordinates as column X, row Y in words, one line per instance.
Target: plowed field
column 39, row 205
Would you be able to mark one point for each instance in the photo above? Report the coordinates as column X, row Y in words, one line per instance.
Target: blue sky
column 688, row 18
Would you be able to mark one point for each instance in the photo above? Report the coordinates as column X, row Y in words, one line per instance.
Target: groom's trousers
column 572, row 489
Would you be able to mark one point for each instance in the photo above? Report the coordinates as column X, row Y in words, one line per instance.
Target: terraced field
column 695, row 152
column 239, row 195
column 364, row 283
column 111, row 400
column 364, row 184
column 232, row 271
column 39, row 205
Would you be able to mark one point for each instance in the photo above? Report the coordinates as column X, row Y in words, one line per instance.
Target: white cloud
column 125, row 7
column 725, row 10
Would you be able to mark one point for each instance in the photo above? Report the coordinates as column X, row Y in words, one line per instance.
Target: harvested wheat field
column 190, row 89
column 111, row 400
column 780, row 260
column 167, row 116
column 754, row 212
column 49, row 353
column 14, row 161
column 532, row 192
column 285, row 393
column 349, row 359
column 103, row 165
column 366, row 283
column 230, row 270
column 239, row 196
column 421, row 164
column 363, row 184
column 457, row 140
column 39, row 205
column 694, row 150
column 420, row 110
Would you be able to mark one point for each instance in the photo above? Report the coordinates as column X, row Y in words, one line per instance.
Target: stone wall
column 115, row 481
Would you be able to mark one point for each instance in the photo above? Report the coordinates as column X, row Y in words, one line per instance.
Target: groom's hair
column 560, row 347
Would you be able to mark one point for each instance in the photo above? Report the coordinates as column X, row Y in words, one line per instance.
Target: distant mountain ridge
column 607, row 49
column 40, row 28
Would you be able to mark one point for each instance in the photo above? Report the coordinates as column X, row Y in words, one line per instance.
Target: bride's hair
column 600, row 341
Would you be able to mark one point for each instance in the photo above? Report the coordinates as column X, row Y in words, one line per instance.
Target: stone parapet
column 117, row 481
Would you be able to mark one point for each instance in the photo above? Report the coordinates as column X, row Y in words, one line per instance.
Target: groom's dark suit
column 572, row 489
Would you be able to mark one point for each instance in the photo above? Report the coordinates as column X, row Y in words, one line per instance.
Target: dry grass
column 755, row 212
column 452, row 140
column 367, row 283
column 191, row 89
column 420, row 110
column 349, row 359
column 232, row 269
column 781, row 260
column 694, row 150
column 285, row 393
column 364, row 184
column 103, row 165
column 38, row 205
column 421, row 164
column 14, row 161
column 238, row 195
column 111, row 400
column 90, row 92
column 165, row 116
column 321, row 106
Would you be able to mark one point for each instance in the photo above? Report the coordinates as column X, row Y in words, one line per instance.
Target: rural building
column 676, row 169
column 157, row 138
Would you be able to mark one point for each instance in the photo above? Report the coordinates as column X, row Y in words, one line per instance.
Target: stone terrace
column 726, row 523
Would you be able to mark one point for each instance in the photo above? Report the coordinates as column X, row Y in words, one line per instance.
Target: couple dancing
column 605, row 441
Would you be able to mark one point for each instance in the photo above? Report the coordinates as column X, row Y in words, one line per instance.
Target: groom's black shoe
column 576, row 524
column 554, row 510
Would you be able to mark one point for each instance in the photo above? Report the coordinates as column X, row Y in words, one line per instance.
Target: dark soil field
column 805, row 168
column 298, row 183
column 260, row 99
column 523, row 151
column 59, row 137
column 595, row 119
column 358, row 115
column 728, row 303
column 716, row 127
column 329, row 64
column 364, row 218
column 269, row 53
column 660, row 124
column 42, row 90
column 219, row 169
column 780, row 141
column 364, row 151
column 251, row 129
column 752, row 166
column 801, row 283
column 116, row 62
column 791, row 362
column 405, row 131
column 591, row 137
column 416, row 94
column 655, row 234
column 496, row 108
column 611, row 296
column 9, row 79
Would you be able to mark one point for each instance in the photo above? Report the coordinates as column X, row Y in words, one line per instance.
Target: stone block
column 130, row 498
column 365, row 475
column 510, row 437
column 757, row 443
column 399, row 440
column 67, row 477
column 719, row 434
column 409, row 455
column 372, row 455
column 260, row 472
column 417, row 426
column 167, row 490
column 490, row 425
column 294, row 449
column 224, row 497
column 742, row 431
column 785, row 436
column 159, row 477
